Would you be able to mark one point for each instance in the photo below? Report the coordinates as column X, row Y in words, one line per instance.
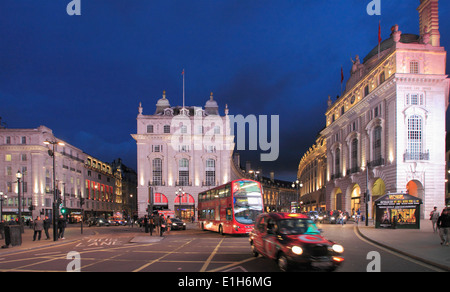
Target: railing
column 183, row 184
column 353, row 170
column 376, row 162
column 416, row 156
column 336, row 175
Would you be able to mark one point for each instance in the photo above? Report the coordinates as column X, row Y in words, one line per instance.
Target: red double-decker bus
column 231, row 208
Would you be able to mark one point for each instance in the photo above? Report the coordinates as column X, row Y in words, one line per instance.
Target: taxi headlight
column 338, row 248
column 297, row 250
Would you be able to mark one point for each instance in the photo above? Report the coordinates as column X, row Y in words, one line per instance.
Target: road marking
column 208, row 261
column 228, row 267
column 160, row 258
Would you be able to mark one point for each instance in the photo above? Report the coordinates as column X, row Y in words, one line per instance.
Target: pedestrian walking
column 434, row 216
column 46, row 227
column 157, row 222
column 443, row 224
column 168, row 224
column 38, row 226
column 61, row 227
column 162, row 222
column 151, row 224
column 2, row 228
column 146, row 224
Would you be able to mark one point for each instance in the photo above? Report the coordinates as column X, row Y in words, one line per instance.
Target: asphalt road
column 121, row 249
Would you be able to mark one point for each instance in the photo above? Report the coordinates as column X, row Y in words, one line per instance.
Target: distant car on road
column 116, row 221
column 97, row 221
column 177, row 224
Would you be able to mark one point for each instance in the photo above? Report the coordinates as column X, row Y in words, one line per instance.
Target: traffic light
column 63, row 211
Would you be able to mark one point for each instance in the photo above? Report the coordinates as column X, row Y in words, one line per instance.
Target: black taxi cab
column 293, row 239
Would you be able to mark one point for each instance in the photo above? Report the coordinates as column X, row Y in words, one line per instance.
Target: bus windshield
column 247, row 200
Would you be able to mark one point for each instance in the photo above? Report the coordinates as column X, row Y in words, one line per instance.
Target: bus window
column 229, row 216
column 217, row 213
column 227, row 191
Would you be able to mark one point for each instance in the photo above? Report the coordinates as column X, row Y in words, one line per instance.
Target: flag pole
column 379, row 38
column 183, row 88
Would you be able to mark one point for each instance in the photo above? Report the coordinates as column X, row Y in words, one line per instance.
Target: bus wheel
column 220, row 229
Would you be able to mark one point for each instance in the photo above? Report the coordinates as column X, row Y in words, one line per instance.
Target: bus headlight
column 338, row 248
column 297, row 250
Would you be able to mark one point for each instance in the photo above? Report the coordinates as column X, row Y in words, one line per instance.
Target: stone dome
column 211, row 107
column 162, row 103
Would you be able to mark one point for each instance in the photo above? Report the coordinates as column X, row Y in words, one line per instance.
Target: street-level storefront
column 184, row 209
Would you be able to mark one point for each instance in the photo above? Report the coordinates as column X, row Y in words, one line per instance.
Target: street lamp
column 2, row 198
column 297, row 184
column 19, row 177
column 180, row 193
column 55, row 194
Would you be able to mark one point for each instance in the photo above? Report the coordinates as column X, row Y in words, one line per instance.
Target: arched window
column 377, row 159
column 354, row 157
column 337, row 163
column 382, row 78
column 210, row 172
column 415, row 145
column 157, row 171
column 183, row 172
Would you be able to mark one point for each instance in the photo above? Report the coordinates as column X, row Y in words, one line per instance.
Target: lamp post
column 19, row 177
column 297, row 184
column 367, row 199
column 180, row 193
column 55, row 194
column 2, row 198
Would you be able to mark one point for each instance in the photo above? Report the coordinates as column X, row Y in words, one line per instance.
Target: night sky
column 84, row 76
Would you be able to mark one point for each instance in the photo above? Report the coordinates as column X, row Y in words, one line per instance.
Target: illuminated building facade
column 388, row 127
column 24, row 150
column 181, row 148
column 78, row 175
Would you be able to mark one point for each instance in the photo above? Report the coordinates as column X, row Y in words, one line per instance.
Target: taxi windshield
column 297, row 226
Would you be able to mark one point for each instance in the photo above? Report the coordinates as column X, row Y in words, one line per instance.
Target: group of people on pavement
column 40, row 225
column 441, row 224
column 157, row 222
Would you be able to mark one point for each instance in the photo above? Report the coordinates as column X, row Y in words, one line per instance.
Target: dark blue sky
column 84, row 76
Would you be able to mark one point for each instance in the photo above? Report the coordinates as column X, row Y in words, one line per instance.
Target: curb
column 428, row 262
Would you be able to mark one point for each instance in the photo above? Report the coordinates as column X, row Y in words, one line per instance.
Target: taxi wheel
column 283, row 263
column 254, row 250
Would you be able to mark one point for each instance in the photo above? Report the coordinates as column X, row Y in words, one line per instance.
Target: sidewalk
column 423, row 244
column 72, row 233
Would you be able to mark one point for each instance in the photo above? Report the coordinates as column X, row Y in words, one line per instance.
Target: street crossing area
column 118, row 249
column 177, row 252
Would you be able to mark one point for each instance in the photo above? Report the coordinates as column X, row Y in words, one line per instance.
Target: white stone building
column 77, row 175
column 24, row 150
column 392, row 118
column 181, row 148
